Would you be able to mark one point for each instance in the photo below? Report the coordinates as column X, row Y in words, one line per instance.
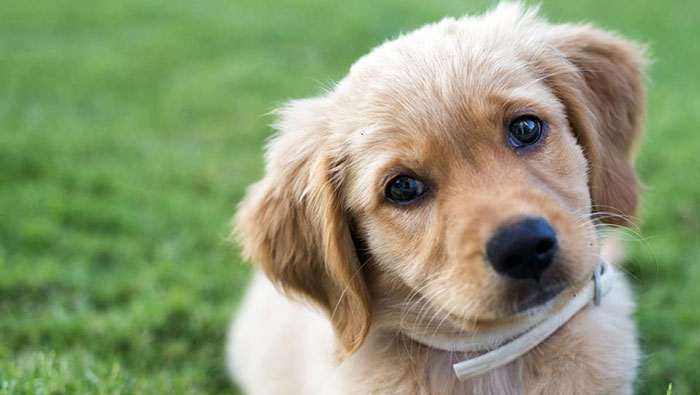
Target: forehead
column 436, row 94
column 449, row 76
column 452, row 76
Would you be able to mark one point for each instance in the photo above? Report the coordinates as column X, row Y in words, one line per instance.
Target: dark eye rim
column 517, row 145
column 427, row 190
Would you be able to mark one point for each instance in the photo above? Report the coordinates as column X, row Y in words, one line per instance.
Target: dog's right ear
column 292, row 223
column 598, row 76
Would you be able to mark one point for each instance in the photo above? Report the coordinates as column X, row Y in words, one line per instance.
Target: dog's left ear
column 292, row 223
column 598, row 76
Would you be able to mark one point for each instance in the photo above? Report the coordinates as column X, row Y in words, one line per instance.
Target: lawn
column 130, row 129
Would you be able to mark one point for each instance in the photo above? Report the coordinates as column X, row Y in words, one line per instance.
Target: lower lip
column 540, row 298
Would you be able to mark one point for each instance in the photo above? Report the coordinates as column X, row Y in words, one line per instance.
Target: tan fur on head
column 435, row 104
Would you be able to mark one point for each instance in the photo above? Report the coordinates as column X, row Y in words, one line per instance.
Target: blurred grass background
column 129, row 130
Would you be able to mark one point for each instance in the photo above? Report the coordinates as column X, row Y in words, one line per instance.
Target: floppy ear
column 292, row 224
column 598, row 77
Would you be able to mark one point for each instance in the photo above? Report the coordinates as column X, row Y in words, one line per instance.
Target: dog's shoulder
column 274, row 336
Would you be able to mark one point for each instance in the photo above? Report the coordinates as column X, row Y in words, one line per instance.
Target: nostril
column 545, row 245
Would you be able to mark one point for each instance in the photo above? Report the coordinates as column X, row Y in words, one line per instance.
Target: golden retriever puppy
column 446, row 190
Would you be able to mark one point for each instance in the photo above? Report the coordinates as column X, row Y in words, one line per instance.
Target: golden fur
column 434, row 103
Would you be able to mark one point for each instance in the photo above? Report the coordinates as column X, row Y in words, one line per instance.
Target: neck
column 595, row 350
column 417, row 368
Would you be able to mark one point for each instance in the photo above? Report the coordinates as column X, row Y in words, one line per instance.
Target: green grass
column 129, row 130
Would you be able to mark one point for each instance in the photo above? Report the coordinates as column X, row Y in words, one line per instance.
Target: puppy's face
column 465, row 183
column 452, row 177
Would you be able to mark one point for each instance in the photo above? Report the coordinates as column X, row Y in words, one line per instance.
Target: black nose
column 523, row 249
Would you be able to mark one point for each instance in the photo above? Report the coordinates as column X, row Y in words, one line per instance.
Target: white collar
column 530, row 329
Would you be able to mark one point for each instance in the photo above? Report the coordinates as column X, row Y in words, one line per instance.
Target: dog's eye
column 525, row 130
column 404, row 189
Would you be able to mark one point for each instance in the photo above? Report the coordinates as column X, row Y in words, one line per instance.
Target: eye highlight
column 404, row 189
column 525, row 130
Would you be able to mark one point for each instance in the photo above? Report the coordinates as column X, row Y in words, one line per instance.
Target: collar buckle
column 597, row 281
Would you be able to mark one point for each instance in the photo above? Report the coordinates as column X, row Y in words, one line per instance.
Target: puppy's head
column 456, row 175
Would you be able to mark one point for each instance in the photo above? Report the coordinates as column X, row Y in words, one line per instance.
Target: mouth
column 527, row 304
column 533, row 296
